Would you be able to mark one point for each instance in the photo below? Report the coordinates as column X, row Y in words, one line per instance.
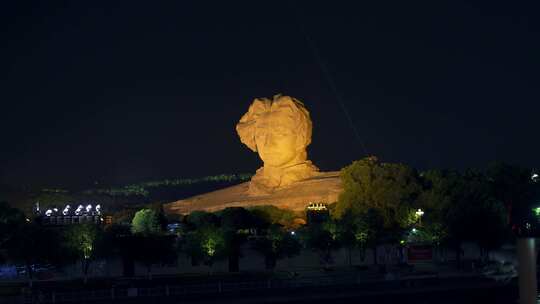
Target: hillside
column 116, row 199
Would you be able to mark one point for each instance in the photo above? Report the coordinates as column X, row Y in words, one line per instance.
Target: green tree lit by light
column 145, row 221
column 206, row 244
column 81, row 239
column 209, row 246
column 389, row 188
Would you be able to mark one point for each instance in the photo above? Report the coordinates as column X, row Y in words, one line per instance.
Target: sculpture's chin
column 269, row 179
column 275, row 164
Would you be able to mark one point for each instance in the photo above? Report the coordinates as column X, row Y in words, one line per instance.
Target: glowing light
column 402, row 242
column 98, row 208
column 210, row 246
column 48, row 212
column 361, row 236
column 88, row 208
column 419, row 214
column 55, row 210
column 87, row 248
column 79, row 210
column 414, row 230
column 293, row 233
column 66, row 210
column 535, row 177
column 317, row 207
column 536, row 211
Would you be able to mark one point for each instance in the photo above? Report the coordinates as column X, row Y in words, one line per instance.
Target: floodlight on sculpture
column 279, row 130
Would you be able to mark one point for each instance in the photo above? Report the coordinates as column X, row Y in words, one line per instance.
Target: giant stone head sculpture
column 280, row 131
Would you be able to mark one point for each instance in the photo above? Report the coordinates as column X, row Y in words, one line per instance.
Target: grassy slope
column 119, row 198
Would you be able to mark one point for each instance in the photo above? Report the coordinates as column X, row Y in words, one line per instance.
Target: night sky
column 118, row 92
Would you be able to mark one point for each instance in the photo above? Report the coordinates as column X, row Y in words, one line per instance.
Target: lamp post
column 419, row 214
column 526, row 250
column 527, row 270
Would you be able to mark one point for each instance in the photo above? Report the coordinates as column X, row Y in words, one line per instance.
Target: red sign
column 420, row 253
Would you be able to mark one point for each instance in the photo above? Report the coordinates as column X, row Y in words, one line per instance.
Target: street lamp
column 419, row 214
column 536, row 211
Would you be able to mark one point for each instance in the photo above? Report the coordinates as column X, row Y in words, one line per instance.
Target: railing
column 207, row 289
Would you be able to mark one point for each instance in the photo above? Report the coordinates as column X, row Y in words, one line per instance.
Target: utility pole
column 527, row 270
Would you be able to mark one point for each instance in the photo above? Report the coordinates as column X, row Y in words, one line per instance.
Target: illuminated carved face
column 275, row 138
column 279, row 130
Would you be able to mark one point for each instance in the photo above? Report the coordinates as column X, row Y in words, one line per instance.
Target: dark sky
column 120, row 92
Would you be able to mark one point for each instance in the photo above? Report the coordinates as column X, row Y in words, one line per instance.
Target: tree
column 390, row 189
column 152, row 249
column 366, row 228
column 235, row 224
column 274, row 215
column 160, row 213
column 349, row 232
column 491, row 229
column 440, row 199
column 235, row 218
column 321, row 240
column 361, row 231
column 197, row 219
column 474, row 213
column 206, row 243
column 33, row 245
column 120, row 241
column 514, row 186
column 277, row 244
column 146, row 221
column 83, row 242
column 383, row 195
column 11, row 219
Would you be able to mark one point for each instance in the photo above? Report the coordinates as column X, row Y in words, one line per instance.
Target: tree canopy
column 146, row 221
column 11, row 219
column 391, row 189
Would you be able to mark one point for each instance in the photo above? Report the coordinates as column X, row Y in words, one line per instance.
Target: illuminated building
column 317, row 212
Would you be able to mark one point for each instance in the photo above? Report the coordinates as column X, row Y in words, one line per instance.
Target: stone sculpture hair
column 246, row 128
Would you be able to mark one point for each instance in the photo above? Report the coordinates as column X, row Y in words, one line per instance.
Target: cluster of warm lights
column 317, row 207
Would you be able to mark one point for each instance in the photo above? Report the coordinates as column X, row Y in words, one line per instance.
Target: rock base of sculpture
column 323, row 188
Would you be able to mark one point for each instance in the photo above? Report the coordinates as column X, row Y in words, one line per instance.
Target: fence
column 214, row 288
